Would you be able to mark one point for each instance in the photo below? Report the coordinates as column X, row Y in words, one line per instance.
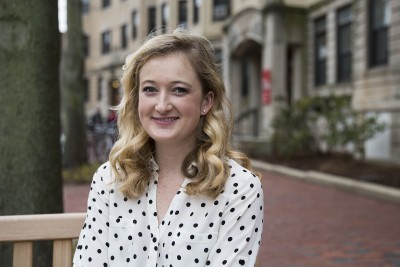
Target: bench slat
column 22, row 254
column 40, row 226
column 62, row 255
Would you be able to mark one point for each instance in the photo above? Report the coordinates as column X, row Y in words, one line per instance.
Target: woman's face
column 171, row 100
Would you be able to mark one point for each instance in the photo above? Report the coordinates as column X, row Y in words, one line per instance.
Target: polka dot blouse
column 196, row 231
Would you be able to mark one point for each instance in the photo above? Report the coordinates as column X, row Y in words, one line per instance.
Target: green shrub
column 298, row 129
column 292, row 130
column 81, row 174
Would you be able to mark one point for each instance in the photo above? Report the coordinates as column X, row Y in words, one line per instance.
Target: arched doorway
column 246, row 87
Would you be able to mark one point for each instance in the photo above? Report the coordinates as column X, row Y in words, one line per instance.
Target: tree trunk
column 30, row 158
column 72, row 88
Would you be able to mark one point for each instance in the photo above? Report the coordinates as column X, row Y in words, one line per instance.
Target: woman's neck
column 169, row 158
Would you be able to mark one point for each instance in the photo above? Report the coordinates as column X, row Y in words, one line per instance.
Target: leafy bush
column 81, row 174
column 314, row 122
column 293, row 131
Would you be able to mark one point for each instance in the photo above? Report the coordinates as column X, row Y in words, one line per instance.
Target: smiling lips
column 165, row 120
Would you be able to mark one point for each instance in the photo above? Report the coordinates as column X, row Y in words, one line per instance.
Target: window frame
column 377, row 56
column 196, row 11
column 99, row 88
column 151, row 19
column 218, row 4
column 320, row 76
column 86, row 91
column 344, row 56
column 245, row 79
column 182, row 13
column 86, row 45
column 85, row 6
column 124, row 36
column 135, row 24
column 105, row 3
column 164, row 17
column 106, row 46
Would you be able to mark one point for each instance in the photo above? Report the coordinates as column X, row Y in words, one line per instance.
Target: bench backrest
column 22, row 230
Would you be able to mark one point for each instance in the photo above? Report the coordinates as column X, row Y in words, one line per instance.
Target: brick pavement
column 312, row 226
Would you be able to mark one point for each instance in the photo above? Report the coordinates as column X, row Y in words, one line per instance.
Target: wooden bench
column 22, row 230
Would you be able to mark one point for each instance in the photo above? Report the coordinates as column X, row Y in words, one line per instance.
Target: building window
column 106, row 42
column 135, row 24
column 218, row 55
column 196, row 11
column 151, row 19
column 85, row 6
column 245, row 77
column 320, row 52
column 379, row 20
column 99, row 88
column 164, row 17
column 106, row 3
column 182, row 14
column 124, row 36
column 86, row 45
column 343, row 52
column 85, row 90
column 221, row 9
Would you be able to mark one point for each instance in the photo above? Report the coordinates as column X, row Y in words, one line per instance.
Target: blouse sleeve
column 241, row 226
column 92, row 244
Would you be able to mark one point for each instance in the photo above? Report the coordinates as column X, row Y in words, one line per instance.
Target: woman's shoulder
column 238, row 170
column 104, row 174
column 241, row 179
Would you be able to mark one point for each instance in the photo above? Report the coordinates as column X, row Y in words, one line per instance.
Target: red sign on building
column 266, row 91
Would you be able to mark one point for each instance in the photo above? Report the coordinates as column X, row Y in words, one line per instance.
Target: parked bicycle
column 101, row 138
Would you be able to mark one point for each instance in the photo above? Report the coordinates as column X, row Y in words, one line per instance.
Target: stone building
column 272, row 52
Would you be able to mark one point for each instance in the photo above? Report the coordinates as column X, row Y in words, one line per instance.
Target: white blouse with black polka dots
column 196, row 231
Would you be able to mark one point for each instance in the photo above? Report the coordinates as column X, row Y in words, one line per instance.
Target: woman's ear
column 207, row 103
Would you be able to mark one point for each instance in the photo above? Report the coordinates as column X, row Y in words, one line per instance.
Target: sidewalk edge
column 364, row 188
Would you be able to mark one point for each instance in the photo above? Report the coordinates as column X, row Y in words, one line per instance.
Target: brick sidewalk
column 312, row 226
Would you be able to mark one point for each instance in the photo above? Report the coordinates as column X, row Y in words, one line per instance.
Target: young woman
column 174, row 193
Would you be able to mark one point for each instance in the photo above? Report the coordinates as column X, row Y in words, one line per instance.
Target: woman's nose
column 163, row 104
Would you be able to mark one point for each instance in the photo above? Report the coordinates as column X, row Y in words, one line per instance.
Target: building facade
column 115, row 28
column 273, row 52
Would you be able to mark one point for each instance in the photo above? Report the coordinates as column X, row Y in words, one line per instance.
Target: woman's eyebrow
column 173, row 82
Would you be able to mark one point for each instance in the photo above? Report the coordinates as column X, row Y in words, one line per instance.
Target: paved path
column 312, row 226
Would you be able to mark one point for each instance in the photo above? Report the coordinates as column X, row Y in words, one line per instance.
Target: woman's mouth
column 165, row 120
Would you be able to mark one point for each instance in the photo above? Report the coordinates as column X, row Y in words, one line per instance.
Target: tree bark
column 30, row 157
column 72, row 88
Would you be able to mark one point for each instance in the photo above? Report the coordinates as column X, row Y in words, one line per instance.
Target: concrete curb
column 346, row 184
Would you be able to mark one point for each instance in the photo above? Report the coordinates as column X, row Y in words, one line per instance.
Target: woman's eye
column 149, row 89
column 180, row 90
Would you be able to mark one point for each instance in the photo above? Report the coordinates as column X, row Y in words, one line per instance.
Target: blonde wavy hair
column 132, row 153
